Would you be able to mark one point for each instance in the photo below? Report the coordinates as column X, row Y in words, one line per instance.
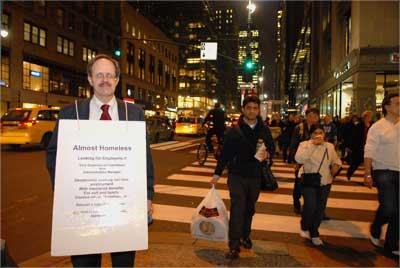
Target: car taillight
column 26, row 124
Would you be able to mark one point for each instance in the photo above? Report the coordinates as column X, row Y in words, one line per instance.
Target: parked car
column 159, row 128
column 33, row 126
column 190, row 125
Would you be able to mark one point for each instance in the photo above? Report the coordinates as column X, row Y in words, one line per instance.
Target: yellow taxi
column 33, row 126
column 189, row 125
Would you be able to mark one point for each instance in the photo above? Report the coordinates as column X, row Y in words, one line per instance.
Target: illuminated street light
column 4, row 33
column 261, row 79
column 251, row 7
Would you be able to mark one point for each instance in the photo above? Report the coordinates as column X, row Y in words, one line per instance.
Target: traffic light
column 249, row 65
column 117, row 52
column 248, row 69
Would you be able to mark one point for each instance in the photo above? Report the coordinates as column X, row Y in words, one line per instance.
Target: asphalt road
column 180, row 185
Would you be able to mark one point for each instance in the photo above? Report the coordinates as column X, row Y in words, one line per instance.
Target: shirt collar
column 98, row 103
column 252, row 126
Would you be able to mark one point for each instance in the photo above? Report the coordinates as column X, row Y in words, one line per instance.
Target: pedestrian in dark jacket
column 358, row 138
column 244, row 171
column 301, row 133
column 215, row 121
column 287, row 128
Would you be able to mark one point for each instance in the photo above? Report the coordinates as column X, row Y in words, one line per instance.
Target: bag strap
column 323, row 157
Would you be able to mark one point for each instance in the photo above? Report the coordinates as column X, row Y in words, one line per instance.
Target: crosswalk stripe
column 290, row 175
column 162, row 144
column 370, row 205
column 185, row 147
column 274, row 223
column 287, row 185
column 172, row 146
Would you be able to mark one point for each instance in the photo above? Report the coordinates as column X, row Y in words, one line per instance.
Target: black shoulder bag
column 313, row 179
column 268, row 180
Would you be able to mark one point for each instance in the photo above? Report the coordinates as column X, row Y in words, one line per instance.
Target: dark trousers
column 285, row 148
column 297, row 190
column 119, row 259
column 356, row 161
column 244, row 194
column 387, row 182
column 315, row 199
column 210, row 133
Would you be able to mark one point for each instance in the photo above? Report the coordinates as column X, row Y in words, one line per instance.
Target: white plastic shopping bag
column 210, row 220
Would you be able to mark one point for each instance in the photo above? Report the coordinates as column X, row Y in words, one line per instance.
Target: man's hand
column 214, row 181
column 149, row 207
column 368, row 180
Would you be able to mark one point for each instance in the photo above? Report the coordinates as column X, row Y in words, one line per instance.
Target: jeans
column 244, row 194
column 119, row 259
column 387, row 182
column 297, row 191
column 315, row 200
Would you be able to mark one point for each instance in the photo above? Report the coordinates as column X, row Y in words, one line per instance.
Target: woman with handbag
column 320, row 161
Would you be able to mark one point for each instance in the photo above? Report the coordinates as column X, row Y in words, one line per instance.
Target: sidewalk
column 171, row 249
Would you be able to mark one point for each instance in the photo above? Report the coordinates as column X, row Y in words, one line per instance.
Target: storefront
column 358, row 86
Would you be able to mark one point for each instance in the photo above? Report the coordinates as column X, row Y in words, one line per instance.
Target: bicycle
column 203, row 151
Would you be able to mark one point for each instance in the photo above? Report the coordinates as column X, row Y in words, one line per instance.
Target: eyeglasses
column 109, row 76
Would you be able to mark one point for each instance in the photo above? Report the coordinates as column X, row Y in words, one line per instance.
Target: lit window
column 34, row 34
column 65, row 46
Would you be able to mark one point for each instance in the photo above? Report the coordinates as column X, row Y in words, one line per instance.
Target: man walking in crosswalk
column 244, row 176
column 382, row 156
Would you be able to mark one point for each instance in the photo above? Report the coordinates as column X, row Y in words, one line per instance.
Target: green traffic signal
column 249, row 64
column 117, row 52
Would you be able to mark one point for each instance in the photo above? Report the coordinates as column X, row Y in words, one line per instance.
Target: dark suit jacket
column 135, row 113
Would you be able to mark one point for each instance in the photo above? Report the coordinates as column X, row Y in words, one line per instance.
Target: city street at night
column 244, row 133
column 180, row 185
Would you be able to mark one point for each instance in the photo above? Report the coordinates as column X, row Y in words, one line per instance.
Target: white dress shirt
column 383, row 145
column 95, row 110
column 311, row 156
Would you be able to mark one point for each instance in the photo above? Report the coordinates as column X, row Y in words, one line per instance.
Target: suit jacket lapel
column 121, row 110
column 84, row 107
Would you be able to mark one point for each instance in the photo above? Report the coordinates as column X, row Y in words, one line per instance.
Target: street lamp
column 4, row 33
column 251, row 7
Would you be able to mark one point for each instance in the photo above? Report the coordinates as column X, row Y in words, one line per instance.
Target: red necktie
column 105, row 115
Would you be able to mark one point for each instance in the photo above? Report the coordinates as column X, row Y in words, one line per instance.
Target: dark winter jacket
column 239, row 149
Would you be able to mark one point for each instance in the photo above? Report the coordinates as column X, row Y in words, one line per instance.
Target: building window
column 86, row 29
column 130, row 91
column 65, row 46
column 36, row 77
column 167, row 77
column 34, row 34
column 5, row 71
column 88, row 54
column 71, row 21
column 41, row 4
column 83, row 92
column 152, row 68
column 59, row 84
column 4, row 22
column 142, row 63
column 159, row 72
column 130, row 59
column 60, row 17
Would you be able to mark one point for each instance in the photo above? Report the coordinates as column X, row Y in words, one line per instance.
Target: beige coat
column 311, row 155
